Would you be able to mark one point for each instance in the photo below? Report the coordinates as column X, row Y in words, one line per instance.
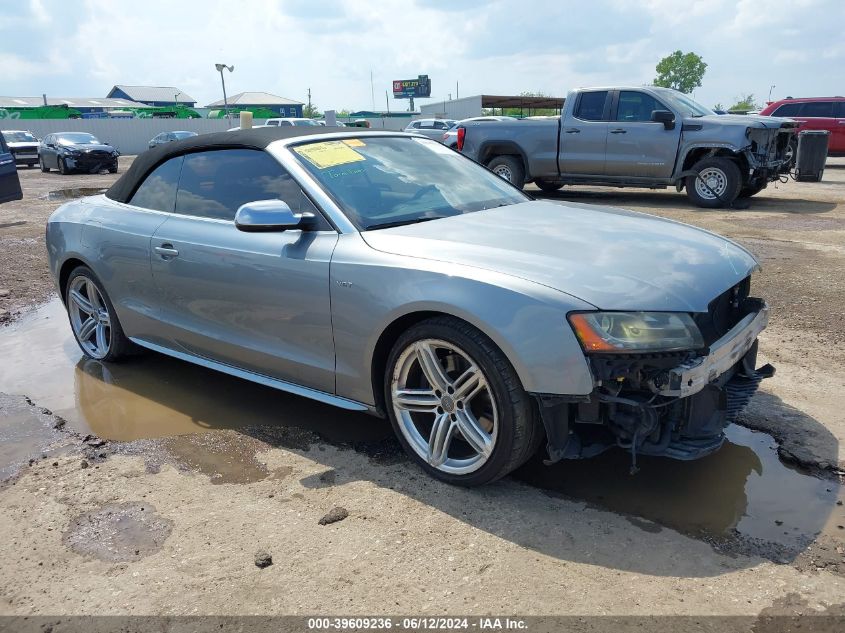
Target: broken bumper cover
column 689, row 378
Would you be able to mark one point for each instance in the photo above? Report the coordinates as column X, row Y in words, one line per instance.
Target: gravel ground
column 318, row 512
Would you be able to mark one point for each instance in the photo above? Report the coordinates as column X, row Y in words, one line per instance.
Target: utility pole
column 457, row 90
column 387, row 101
column 309, row 103
column 372, row 91
column 220, row 68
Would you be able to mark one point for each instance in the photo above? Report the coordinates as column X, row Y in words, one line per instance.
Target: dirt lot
column 149, row 488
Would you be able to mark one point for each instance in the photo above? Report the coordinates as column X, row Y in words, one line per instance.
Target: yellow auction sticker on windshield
column 328, row 154
column 354, row 142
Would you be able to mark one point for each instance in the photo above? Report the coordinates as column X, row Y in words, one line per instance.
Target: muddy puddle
column 71, row 193
column 212, row 424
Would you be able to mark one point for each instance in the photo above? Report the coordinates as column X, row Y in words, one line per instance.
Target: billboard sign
column 412, row 88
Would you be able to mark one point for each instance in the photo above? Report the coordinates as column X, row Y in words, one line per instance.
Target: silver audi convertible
column 384, row 272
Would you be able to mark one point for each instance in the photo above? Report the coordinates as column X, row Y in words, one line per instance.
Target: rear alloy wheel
column 510, row 168
column 92, row 318
column 457, row 405
column 717, row 184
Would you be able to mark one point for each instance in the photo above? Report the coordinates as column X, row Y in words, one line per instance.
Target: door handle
column 618, row 131
column 573, row 130
column 166, row 251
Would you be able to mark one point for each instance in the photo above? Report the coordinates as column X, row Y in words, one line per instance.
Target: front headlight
column 629, row 332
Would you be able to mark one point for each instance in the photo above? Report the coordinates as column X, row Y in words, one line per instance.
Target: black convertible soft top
column 255, row 138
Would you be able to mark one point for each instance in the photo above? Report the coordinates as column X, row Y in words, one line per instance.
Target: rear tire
column 489, row 423
column 747, row 192
column 549, row 186
column 510, row 168
column 723, row 177
column 93, row 319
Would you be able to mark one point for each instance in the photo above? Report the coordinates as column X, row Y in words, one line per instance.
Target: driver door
column 255, row 301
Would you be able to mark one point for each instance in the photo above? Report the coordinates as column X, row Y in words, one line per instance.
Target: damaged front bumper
column 661, row 404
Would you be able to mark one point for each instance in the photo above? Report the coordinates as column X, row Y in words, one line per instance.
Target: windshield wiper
column 388, row 225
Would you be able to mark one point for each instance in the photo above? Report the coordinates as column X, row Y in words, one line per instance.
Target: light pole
column 772, row 87
column 220, row 68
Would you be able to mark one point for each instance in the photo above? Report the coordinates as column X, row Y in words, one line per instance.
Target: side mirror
column 264, row 216
column 665, row 117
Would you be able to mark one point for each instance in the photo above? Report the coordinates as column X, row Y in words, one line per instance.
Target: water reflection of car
column 76, row 151
column 169, row 137
column 381, row 272
column 23, row 145
column 450, row 136
column 10, row 184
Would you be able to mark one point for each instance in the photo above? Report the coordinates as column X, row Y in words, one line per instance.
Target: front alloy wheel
column 444, row 406
column 457, row 405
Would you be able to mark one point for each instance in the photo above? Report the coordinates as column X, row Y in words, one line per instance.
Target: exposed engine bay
column 674, row 404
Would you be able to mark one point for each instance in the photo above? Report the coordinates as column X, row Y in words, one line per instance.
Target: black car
column 76, row 151
column 23, row 145
column 167, row 137
column 10, row 185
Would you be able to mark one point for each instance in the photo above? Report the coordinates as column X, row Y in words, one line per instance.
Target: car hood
column 23, row 145
column 743, row 121
column 89, row 147
column 611, row 258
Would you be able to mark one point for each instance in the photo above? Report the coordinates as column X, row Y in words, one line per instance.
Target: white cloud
column 495, row 46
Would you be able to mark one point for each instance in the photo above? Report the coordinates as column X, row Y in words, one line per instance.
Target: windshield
column 305, row 122
column 18, row 137
column 380, row 182
column 78, row 138
column 184, row 134
column 687, row 106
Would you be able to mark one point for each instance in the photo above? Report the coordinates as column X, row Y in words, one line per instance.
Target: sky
column 81, row 48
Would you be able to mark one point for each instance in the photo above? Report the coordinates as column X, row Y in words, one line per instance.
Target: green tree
column 311, row 111
column 745, row 103
column 718, row 106
column 681, row 71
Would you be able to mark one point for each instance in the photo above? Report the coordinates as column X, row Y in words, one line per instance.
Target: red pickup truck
column 815, row 113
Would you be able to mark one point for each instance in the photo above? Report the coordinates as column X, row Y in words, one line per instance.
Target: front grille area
column 723, row 312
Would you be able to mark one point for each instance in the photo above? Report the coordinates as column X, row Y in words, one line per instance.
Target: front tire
column 44, row 167
column 92, row 318
column 457, row 405
column 510, row 168
column 63, row 170
column 721, row 175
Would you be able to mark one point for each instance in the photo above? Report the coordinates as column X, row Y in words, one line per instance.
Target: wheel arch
column 700, row 152
column 66, row 268
column 401, row 324
column 493, row 149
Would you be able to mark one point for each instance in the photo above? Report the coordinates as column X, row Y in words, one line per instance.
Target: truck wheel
column 717, row 184
column 748, row 191
column 548, row 185
column 510, row 168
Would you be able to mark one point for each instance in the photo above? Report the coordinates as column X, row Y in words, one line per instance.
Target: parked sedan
column 380, row 272
column 76, row 151
column 450, row 136
column 23, row 145
column 169, row 137
column 432, row 128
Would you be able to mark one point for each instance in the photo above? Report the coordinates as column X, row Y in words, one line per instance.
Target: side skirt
column 281, row 385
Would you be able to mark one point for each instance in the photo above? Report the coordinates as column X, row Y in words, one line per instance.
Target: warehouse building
column 467, row 107
column 284, row 107
column 158, row 96
column 85, row 105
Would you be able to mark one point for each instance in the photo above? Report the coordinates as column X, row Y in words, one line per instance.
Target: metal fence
column 128, row 136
